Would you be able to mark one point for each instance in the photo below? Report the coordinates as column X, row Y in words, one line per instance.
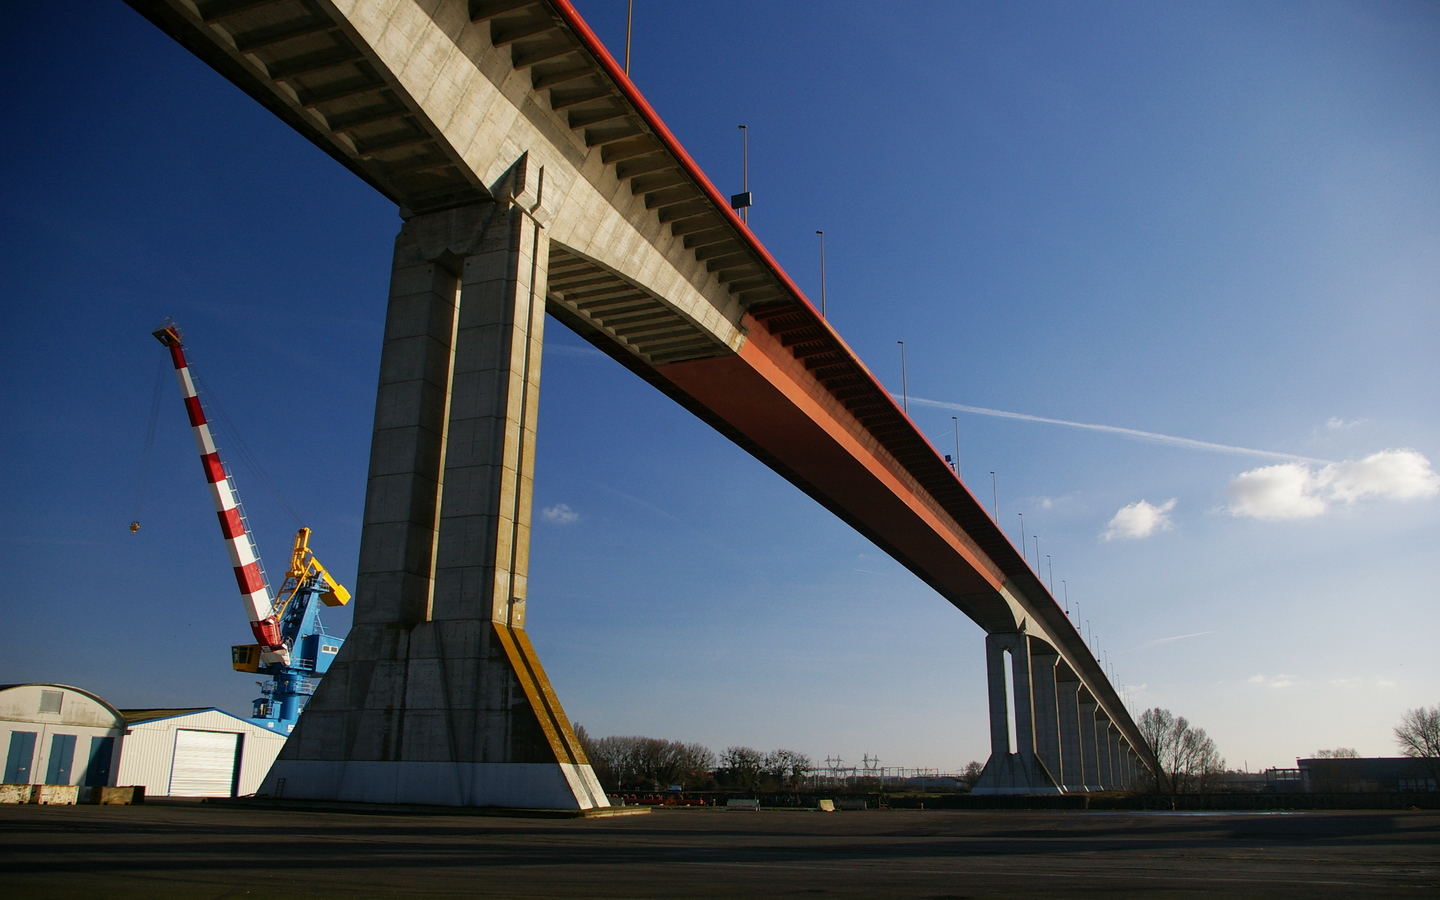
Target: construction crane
column 292, row 646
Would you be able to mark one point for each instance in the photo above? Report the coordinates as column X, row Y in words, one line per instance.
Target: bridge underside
column 532, row 176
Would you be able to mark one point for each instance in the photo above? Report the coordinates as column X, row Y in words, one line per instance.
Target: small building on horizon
column 1377, row 774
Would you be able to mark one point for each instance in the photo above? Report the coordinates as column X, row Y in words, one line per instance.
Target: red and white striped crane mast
column 249, row 574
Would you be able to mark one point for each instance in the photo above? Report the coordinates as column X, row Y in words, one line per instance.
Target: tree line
column 637, row 763
column 1189, row 760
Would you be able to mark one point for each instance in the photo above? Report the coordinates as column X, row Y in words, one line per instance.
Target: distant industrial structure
column 1355, row 775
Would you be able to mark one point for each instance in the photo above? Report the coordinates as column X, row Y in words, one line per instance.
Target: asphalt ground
column 200, row 851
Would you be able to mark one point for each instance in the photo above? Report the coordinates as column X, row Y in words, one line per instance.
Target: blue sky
column 1217, row 221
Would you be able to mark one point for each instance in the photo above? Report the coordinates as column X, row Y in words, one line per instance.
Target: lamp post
column 904, row 384
column 822, row 274
column 629, row 19
column 956, row 421
column 741, row 202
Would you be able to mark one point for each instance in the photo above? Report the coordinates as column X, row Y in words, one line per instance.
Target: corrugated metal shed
column 195, row 752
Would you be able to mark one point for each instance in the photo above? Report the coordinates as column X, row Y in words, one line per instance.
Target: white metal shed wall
column 148, row 754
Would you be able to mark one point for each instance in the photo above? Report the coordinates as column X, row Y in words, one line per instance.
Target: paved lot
column 195, row 851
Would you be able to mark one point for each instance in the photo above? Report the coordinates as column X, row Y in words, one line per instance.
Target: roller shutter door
column 204, row 763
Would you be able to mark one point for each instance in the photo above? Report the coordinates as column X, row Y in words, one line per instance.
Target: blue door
column 97, row 771
column 62, row 757
column 22, row 754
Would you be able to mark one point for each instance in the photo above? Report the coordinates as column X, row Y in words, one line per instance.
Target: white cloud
column 1274, row 681
column 1286, row 491
column 559, row 514
column 1338, row 424
column 1140, row 520
column 1297, row 491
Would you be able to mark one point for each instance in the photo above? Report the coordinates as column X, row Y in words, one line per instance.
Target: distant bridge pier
column 1043, row 660
column 438, row 697
column 1089, row 751
column 1063, row 740
column 1011, row 674
column 1067, row 696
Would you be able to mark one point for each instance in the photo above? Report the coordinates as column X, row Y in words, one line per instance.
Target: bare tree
column 1161, row 730
column 787, row 766
column 1418, row 735
column 1338, row 753
column 971, row 773
column 744, row 764
column 1187, row 755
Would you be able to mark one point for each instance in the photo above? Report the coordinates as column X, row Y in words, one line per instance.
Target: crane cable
column 212, row 403
column 149, row 446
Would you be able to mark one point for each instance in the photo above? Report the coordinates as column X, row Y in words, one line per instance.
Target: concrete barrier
column 56, row 794
column 743, row 804
column 16, row 793
column 116, row 796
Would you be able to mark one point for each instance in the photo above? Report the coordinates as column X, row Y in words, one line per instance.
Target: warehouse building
column 58, row 734
column 195, row 753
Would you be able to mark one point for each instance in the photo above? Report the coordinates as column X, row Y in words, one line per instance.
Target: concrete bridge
column 532, row 177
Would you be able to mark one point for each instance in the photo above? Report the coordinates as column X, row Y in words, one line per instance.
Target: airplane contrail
column 1152, row 437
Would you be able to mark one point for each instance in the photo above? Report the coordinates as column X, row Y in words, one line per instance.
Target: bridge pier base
column 437, row 696
column 1015, row 768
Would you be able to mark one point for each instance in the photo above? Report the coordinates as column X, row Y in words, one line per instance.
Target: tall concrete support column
column 1067, row 708
column 1013, row 767
column 1117, row 779
column 437, row 695
column 1089, row 748
column 1104, row 760
column 1043, row 659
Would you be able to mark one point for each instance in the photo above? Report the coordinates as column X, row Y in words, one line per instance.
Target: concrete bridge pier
column 1043, row 688
column 1105, row 750
column 1089, row 750
column 1016, row 767
column 437, row 696
column 1067, row 700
